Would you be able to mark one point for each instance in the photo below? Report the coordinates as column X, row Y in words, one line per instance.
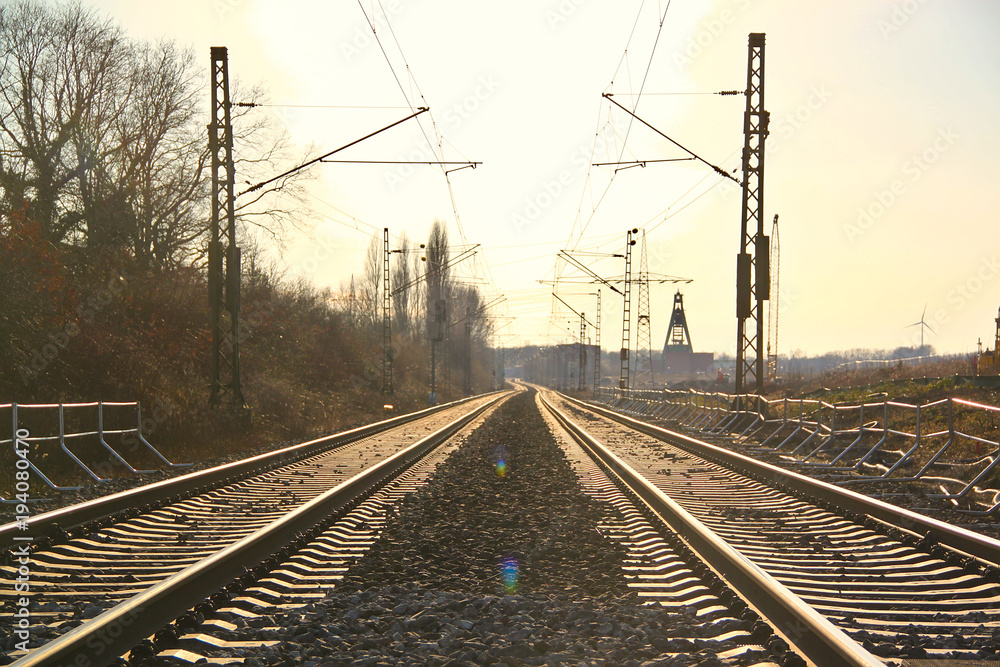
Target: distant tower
column 679, row 356
column 678, row 336
column 644, row 374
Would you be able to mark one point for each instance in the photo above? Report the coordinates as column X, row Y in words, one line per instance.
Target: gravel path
column 497, row 560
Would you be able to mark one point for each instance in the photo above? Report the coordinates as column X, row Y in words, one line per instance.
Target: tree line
column 420, row 276
column 102, row 137
column 105, row 205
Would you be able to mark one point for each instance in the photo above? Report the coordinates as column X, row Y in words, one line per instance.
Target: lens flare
column 498, row 456
column 509, row 573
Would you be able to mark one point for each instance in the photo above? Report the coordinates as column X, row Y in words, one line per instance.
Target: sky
column 880, row 161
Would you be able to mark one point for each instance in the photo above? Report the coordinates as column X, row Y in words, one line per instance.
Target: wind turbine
column 921, row 324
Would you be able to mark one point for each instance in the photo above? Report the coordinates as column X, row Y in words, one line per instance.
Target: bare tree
column 371, row 278
column 61, row 70
column 418, row 291
column 470, row 303
column 262, row 151
column 103, row 138
column 145, row 184
column 436, row 271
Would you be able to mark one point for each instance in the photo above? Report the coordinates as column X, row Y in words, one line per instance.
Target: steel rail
column 108, row 506
column 801, row 625
column 102, row 640
column 959, row 539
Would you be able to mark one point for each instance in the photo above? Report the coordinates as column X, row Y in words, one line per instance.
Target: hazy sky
column 881, row 160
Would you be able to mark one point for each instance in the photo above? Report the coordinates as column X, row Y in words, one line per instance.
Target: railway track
column 246, row 620
column 718, row 565
column 119, row 547
column 695, row 612
column 902, row 585
column 684, row 611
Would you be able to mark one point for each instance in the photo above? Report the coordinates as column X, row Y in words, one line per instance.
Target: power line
column 666, row 212
column 318, row 106
column 467, row 164
column 589, row 181
column 291, row 171
column 437, row 133
column 649, row 66
column 718, row 170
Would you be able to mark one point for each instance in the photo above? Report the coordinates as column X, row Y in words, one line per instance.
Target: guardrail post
column 760, row 413
column 781, row 427
column 829, row 439
column 114, row 453
column 733, row 415
column 819, row 424
column 909, row 453
column 861, row 434
column 797, row 428
column 62, row 444
column 951, row 439
column 32, row 465
column 762, row 405
column 971, row 485
column 142, row 439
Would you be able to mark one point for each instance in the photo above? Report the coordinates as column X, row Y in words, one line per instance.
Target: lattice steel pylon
column 644, row 372
column 752, row 265
column 623, row 378
column 597, row 347
column 503, row 367
column 223, row 253
column 772, row 305
column 581, row 380
column 387, row 387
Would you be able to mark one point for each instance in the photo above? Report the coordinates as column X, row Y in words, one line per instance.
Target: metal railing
column 94, row 416
column 874, row 439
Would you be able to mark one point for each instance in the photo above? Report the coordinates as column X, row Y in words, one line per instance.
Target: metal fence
column 952, row 444
column 87, row 423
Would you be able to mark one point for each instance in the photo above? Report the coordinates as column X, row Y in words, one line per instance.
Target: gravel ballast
column 496, row 560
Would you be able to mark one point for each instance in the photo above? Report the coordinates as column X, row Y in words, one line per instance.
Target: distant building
column 679, row 356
